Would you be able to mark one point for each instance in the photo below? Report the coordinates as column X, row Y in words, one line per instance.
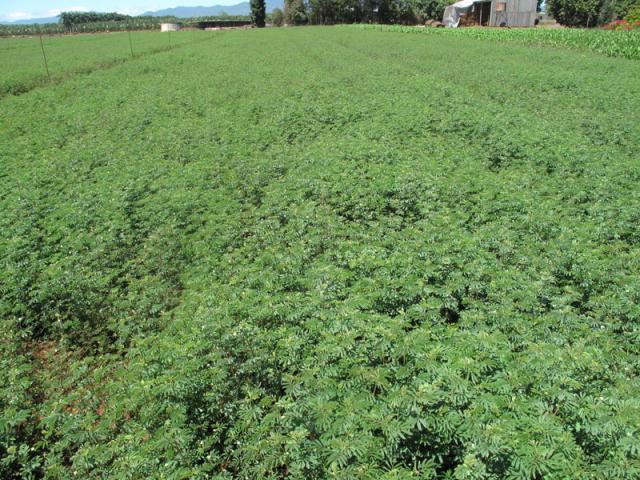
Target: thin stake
column 169, row 39
column 44, row 57
column 130, row 43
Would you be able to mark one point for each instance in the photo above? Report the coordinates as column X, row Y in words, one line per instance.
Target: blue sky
column 22, row 9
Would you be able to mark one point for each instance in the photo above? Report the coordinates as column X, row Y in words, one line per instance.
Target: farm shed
column 492, row 13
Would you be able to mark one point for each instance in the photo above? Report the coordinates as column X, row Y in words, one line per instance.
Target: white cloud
column 12, row 16
column 57, row 11
column 128, row 11
column 17, row 15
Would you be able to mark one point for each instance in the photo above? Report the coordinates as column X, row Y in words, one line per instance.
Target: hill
column 31, row 21
column 212, row 11
column 242, row 8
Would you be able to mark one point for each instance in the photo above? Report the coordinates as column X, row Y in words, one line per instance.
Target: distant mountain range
column 213, row 11
column 180, row 12
column 31, row 21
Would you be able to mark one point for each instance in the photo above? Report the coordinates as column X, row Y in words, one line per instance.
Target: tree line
column 329, row 12
column 573, row 13
column 589, row 13
column 71, row 19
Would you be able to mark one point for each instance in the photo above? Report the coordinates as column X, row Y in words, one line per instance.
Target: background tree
column 622, row 8
column 429, row 9
column 607, row 12
column 326, row 12
column 295, row 12
column 366, row 11
column 575, row 13
column 633, row 15
column 69, row 19
column 405, row 12
column 387, row 11
column 258, row 12
column 277, row 17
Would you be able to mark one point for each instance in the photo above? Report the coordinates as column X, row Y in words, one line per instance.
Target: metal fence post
column 130, row 42
column 44, row 56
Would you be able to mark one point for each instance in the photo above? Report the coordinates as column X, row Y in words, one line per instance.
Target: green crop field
column 616, row 43
column 317, row 253
column 24, row 67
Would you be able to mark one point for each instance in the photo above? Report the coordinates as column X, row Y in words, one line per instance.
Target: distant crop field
column 323, row 252
column 613, row 43
column 24, row 67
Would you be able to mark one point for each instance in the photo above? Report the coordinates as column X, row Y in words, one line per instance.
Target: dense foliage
column 616, row 43
column 568, row 12
column 70, row 19
column 576, row 13
column 633, row 16
column 351, row 254
column 613, row 10
column 429, row 9
column 588, row 13
column 298, row 12
column 295, row 12
column 277, row 17
column 258, row 12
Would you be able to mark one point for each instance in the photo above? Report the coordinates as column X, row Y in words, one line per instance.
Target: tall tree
column 295, row 12
column 575, row 13
column 258, row 12
column 277, row 17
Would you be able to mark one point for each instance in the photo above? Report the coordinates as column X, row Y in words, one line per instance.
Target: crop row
column 613, row 43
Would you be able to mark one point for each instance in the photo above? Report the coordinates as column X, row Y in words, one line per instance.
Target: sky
column 23, row 9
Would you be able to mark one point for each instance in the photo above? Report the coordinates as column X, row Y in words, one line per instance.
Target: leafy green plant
column 68, row 56
column 613, row 43
column 343, row 258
